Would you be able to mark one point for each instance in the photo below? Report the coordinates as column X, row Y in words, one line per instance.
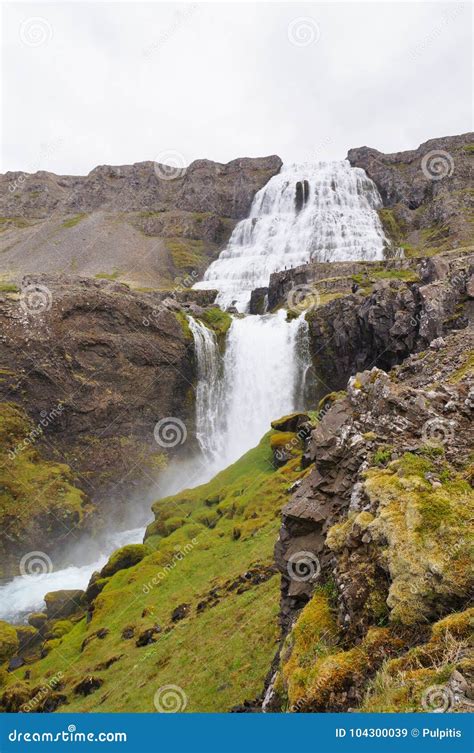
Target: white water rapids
column 336, row 221
column 261, row 375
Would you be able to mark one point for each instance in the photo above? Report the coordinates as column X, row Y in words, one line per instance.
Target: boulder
column 37, row 619
column 290, row 423
column 127, row 556
column 64, row 603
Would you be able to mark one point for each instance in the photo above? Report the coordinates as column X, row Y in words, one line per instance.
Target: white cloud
column 121, row 82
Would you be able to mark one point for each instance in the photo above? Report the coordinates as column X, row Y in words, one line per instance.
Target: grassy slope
column 219, row 656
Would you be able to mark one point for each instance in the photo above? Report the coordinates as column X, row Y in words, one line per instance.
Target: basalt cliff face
column 146, row 224
column 93, row 373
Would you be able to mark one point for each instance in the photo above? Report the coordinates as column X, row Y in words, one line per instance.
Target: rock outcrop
column 96, row 366
column 398, row 308
column 375, row 535
column 427, row 192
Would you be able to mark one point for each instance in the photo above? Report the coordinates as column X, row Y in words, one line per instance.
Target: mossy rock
column 38, row 619
column 290, row 423
column 95, row 586
column 15, row 696
column 27, row 634
column 123, row 558
column 217, row 320
column 60, row 628
column 49, row 645
column 63, row 603
column 9, row 642
column 329, row 399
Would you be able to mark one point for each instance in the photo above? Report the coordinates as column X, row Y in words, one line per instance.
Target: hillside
column 144, row 224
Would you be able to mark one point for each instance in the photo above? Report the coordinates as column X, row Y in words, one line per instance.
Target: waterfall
column 209, row 390
column 324, row 211
column 259, row 378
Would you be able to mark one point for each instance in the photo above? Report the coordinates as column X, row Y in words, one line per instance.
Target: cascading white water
column 261, row 378
column 336, row 221
column 209, row 390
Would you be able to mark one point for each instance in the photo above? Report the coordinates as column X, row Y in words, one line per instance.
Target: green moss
column 391, row 226
column 127, row 556
column 184, row 324
column 329, row 399
column 19, row 222
column 8, row 641
column 60, row 628
column 26, row 476
column 107, row 275
column 466, row 369
column 402, row 685
column 382, row 455
column 312, row 638
column 419, row 528
column 217, row 320
column 186, row 253
column 469, row 148
column 72, row 221
column 8, row 287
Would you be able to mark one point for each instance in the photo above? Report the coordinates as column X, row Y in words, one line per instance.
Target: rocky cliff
column 95, row 367
column 146, row 224
column 427, row 192
column 375, row 541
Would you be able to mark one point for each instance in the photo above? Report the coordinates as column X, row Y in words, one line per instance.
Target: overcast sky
column 114, row 83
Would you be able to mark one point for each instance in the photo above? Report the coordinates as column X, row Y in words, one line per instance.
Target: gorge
column 339, row 302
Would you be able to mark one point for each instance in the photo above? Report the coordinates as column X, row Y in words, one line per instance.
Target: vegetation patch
column 73, row 221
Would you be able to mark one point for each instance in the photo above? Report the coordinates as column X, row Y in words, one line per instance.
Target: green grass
column 107, row 275
column 72, row 221
column 218, row 655
column 35, row 494
column 8, row 287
